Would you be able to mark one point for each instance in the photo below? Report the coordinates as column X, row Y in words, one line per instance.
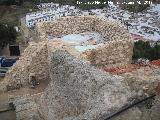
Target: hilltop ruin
column 116, row 52
column 77, row 86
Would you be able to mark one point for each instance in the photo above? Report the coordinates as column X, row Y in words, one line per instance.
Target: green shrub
column 144, row 50
column 7, row 35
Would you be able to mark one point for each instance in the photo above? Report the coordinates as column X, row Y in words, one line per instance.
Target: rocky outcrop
column 143, row 81
column 26, row 108
column 79, row 91
column 34, row 60
column 148, row 110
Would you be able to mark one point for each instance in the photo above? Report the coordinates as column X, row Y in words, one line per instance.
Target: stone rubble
column 26, row 108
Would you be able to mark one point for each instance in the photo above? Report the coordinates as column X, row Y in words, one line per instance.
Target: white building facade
column 50, row 12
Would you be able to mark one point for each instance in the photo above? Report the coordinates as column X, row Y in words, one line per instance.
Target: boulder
column 79, row 91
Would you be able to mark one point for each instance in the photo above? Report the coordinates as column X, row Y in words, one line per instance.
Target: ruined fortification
column 77, row 89
column 35, row 59
column 117, row 50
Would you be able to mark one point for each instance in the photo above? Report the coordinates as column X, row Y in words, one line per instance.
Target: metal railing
column 3, row 71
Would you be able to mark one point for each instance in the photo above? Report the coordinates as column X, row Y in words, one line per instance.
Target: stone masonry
column 33, row 60
column 77, row 90
column 116, row 52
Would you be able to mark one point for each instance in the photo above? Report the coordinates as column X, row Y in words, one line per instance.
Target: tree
column 157, row 49
column 7, row 35
column 11, row 2
column 144, row 50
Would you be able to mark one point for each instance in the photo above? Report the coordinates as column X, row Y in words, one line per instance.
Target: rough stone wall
column 111, row 29
column 79, row 91
column 117, row 51
column 112, row 54
column 33, row 60
column 78, row 24
column 59, row 44
column 64, row 26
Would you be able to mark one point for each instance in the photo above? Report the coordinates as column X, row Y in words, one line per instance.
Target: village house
column 50, row 12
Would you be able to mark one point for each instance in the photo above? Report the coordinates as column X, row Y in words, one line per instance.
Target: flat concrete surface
column 8, row 115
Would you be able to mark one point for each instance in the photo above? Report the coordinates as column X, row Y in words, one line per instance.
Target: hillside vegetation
column 11, row 13
column 145, row 50
column 7, row 35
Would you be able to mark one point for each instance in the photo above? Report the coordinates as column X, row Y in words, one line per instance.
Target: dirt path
column 4, row 102
column 9, row 115
column 27, row 90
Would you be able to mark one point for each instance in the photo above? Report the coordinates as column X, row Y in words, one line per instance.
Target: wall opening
column 14, row 50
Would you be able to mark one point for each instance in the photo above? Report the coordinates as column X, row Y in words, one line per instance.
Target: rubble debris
column 26, row 108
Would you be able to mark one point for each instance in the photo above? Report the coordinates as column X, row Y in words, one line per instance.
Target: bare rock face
column 143, row 81
column 79, row 91
column 25, row 108
column 154, row 112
